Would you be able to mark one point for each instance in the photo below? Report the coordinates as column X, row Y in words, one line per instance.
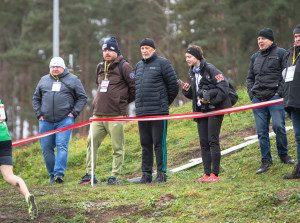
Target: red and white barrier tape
column 154, row 118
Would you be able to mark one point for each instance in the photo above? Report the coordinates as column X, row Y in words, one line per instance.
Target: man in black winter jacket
column 156, row 88
column 265, row 83
column 291, row 97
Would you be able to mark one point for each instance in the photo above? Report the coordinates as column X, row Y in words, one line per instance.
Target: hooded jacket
column 156, row 86
column 265, row 74
column 55, row 106
column 120, row 91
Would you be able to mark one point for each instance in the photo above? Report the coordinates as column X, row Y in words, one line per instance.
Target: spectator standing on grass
column 6, row 165
column 209, row 90
column 291, row 95
column 156, row 88
column 265, row 83
column 115, row 90
column 58, row 99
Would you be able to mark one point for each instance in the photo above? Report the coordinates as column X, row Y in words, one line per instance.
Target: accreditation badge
column 56, row 86
column 2, row 113
column 104, row 85
column 290, row 73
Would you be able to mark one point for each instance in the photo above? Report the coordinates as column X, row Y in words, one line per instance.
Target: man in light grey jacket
column 59, row 97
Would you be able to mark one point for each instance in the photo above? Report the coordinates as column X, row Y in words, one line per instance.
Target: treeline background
column 225, row 29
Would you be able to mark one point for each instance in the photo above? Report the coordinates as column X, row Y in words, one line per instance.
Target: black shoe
column 265, row 165
column 295, row 174
column 161, row 177
column 59, row 179
column 286, row 159
column 146, row 178
column 52, row 180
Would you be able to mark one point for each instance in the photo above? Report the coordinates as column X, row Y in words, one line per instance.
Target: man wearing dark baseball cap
column 265, row 83
column 291, row 97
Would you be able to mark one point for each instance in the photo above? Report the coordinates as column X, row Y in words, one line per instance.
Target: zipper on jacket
column 53, row 107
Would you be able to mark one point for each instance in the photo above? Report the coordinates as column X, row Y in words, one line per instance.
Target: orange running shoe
column 202, row 178
column 212, row 178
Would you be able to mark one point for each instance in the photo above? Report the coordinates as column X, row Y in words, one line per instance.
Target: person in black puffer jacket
column 291, row 94
column 209, row 90
column 265, row 83
column 156, row 88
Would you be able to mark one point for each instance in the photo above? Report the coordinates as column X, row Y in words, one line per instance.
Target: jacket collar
column 269, row 49
column 148, row 60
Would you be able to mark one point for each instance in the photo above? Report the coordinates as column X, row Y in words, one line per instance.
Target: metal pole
column 92, row 154
column 55, row 28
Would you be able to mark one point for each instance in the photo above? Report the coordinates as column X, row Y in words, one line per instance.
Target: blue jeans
column 295, row 116
column 262, row 118
column 56, row 165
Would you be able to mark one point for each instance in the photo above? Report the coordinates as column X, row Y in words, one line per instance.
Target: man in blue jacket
column 156, row 88
column 58, row 99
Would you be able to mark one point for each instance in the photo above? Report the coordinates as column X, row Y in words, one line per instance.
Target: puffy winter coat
column 156, row 86
column 213, row 80
column 54, row 106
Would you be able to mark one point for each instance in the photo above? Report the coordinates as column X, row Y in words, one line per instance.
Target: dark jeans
column 295, row 116
column 153, row 133
column 209, row 131
column 262, row 118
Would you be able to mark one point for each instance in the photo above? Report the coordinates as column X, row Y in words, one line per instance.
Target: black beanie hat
column 111, row 44
column 147, row 42
column 267, row 33
column 297, row 30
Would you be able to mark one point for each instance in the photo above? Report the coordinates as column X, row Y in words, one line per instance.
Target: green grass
column 240, row 196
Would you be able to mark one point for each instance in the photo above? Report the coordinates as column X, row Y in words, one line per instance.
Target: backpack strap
column 281, row 54
column 254, row 57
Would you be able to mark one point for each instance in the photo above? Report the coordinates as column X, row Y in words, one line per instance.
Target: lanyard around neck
column 106, row 69
column 55, row 77
column 294, row 59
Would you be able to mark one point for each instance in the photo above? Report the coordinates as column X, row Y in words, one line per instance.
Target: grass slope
column 240, row 196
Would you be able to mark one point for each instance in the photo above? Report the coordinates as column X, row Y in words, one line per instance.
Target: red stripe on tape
column 153, row 118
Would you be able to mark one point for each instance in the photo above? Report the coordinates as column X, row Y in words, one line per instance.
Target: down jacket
column 156, row 86
column 265, row 74
column 55, row 106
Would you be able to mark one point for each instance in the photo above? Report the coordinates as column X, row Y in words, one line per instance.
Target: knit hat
column 267, row 33
column 111, row 44
column 147, row 42
column 297, row 30
column 194, row 52
column 57, row 62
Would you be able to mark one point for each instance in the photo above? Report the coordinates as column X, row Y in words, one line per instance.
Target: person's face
column 263, row 43
column 297, row 39
column 147, row 51
column 109, row 55
column 191, row 60
column 56, row 70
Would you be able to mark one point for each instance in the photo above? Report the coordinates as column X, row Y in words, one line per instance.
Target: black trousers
column 153, row 134
column 209, row 131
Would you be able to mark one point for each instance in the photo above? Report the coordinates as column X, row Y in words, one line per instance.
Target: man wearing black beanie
column 291, row 97
column 156, row 88
column 265, row 83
